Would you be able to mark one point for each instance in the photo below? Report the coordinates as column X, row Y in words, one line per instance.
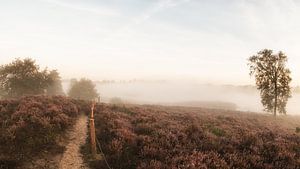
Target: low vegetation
column 32, row 124
column 210, row 105
column 157, row 137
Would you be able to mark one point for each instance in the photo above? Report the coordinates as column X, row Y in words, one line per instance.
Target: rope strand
column 100, row 148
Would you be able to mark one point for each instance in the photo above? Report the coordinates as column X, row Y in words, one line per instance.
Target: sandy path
column 72, row 158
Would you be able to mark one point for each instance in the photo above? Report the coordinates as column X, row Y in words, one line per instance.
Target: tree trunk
column 276, row 95
column 275, row 107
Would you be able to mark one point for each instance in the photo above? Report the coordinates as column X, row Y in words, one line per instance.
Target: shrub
column 116, row 101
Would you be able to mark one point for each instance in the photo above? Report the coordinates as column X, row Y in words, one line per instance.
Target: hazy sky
column 205, row 40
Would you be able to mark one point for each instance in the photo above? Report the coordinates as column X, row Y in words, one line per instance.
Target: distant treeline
column 123, row 81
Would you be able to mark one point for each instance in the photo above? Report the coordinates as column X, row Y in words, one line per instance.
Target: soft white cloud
column 158, row 7
column 205, row 39
column 84, row 6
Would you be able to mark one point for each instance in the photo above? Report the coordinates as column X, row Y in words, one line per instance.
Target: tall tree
column 24, row 77
column 272, row 79
column 83, row 89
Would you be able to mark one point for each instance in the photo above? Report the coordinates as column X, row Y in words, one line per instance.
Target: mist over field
column 244, row 98
column 149, row 84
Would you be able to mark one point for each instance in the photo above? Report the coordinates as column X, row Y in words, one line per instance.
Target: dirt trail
column 72, row 158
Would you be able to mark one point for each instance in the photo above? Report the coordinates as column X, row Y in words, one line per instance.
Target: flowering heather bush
column 152, row 137
column 32, row 124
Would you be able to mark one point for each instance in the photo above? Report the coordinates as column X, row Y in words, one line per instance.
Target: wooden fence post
column 93, row 132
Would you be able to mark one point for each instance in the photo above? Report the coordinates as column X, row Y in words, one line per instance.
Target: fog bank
column 245, row 98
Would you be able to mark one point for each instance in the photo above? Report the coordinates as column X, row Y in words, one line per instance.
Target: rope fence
column 94, row 139
column 103, row 155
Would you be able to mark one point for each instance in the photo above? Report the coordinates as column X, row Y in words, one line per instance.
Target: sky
column 202, row 40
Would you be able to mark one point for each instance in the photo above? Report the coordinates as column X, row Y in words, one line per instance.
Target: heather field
column 158, row 137
column 144, row 136
column 149, row 84
column 33, row 126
